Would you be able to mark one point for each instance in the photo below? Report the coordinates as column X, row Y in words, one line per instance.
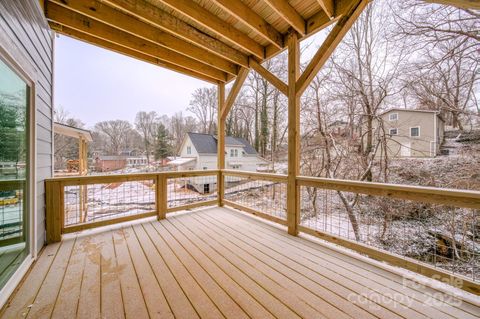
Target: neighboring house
column 110, row 163
column 199, row 152
column 413, row 133
column 339, row 128
column 137, row 161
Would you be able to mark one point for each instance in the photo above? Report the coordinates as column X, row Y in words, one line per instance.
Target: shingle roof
column 207, row 143
column 204, row 143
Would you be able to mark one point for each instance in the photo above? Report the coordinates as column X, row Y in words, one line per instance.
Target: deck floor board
column 216, row 263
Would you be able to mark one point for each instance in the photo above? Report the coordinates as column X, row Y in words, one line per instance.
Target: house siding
column 421, row 146
column 27, row 40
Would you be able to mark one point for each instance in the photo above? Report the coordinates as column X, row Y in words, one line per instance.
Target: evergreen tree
column 12, row 133
column 162, row 146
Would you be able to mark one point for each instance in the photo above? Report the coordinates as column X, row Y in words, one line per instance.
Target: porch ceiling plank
column 98, row 29
column 329, row 45
column 315, row 23
column 85, row 37
column 216, row 25
column 289, row 14
column 250, row 18
column 328, row 6
column 242, row 75
column 154, row 15
column 115, row 18
column 270, row 77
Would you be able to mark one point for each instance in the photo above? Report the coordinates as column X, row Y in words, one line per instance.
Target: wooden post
column 161, row 196
column 82, row 170
column 220, row 144
column 293, row 196
column 55, row 211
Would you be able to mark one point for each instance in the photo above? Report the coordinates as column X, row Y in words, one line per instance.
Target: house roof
column 181, row 161
column 396, row 109
column 207, row 143
column 111, row 158
column 72, row 131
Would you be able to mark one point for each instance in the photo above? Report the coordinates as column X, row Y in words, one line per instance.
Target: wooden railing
column 428, row 230
column 260, row 194
column 83, row 202
column 323, row 212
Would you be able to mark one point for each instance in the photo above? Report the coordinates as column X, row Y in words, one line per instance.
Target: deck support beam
column 330, row 44
column 220, row 143
column 237, row 85
column 293, row 194
column 269, row 76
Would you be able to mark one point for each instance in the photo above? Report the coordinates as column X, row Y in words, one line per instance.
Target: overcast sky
column 94, row 84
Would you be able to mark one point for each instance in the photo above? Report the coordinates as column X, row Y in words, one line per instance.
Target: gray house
column 412, row 133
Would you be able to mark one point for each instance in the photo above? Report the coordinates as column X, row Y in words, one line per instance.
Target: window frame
column 390, row 117
column 417, row 127
column 28, row 73
column 390, row 131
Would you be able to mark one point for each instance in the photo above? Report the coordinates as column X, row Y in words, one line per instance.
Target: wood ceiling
column 211, row 40
column 208, row 39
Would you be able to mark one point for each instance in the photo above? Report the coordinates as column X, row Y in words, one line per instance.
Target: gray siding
column 25, row 36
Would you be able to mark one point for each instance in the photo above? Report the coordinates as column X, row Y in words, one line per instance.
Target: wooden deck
column 216, row 263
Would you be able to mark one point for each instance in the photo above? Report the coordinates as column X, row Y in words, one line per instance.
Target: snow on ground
column 105, row 201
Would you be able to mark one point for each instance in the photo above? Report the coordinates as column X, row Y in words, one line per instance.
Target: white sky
column 94, row 84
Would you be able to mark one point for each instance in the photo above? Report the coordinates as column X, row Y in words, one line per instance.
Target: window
column 236, row 153
column 231, row 153
column 393, row 117
column 393, row 131
column 189, row 150
column 206, row 188
column 415, row 131
column 15, row 165
column 235, row 166
column 205, row 168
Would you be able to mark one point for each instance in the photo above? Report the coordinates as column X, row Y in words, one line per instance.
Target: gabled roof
column 207, row 143
column 396, row 109
column 72, row 131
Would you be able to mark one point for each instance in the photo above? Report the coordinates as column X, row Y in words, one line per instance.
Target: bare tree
column 146, row 124
column 204, row 106
column 117, row 132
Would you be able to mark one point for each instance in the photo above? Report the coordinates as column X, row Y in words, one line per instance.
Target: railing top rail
column 93, row 179
column 435, row 195
column 256, row 175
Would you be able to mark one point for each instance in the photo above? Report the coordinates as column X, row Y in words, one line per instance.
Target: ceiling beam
column 328, row 46
column 289, row 14
column 328, row 6
column 251, row 19
column 237, row 85
column 269, row 76
column 74, row 20
column 154, row 15
column 115, row 18
column 128, row 52
column 216, row 25
column 317, row 22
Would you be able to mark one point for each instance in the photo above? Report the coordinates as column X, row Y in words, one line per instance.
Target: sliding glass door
column 14, row 171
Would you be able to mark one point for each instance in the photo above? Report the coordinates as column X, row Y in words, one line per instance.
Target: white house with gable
column 199, row 152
